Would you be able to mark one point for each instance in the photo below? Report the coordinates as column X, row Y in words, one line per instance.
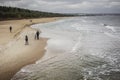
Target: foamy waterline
column 78, row 48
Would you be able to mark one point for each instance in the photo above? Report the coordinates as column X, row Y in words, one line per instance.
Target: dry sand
column 14, row 54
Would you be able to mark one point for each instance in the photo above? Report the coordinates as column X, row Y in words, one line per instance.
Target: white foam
column 76, row 45
column 24, row 70
column 57, row 46
column 111, row 28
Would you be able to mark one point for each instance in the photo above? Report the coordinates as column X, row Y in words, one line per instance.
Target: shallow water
column 79, row 48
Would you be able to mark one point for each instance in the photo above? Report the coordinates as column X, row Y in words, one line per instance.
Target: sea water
column 79, row 48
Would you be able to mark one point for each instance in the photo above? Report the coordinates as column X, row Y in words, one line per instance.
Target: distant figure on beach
column 26, row 40
column 10, row 28
column 30, row 20
column 105, row 24
column 37, row 35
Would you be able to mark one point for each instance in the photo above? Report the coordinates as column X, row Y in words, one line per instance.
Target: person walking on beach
column 30, row 20
column 10, row 28
column 37, row 35
column 26, row 40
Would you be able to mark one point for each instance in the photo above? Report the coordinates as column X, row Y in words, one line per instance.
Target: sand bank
column 14, row 54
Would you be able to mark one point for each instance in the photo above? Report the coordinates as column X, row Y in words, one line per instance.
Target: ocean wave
column 111, row 28
column 77, row 50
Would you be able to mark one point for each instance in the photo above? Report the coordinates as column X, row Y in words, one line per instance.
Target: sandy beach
column 14, row 54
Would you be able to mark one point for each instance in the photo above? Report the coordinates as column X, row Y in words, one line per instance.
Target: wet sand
column 14, row 54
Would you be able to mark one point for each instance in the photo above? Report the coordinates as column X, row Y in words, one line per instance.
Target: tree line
column 19, row 13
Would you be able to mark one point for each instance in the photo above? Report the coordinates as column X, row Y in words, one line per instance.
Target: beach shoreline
column 14, row 54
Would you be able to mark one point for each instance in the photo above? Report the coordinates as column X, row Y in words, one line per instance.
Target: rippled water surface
column 79, row 48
